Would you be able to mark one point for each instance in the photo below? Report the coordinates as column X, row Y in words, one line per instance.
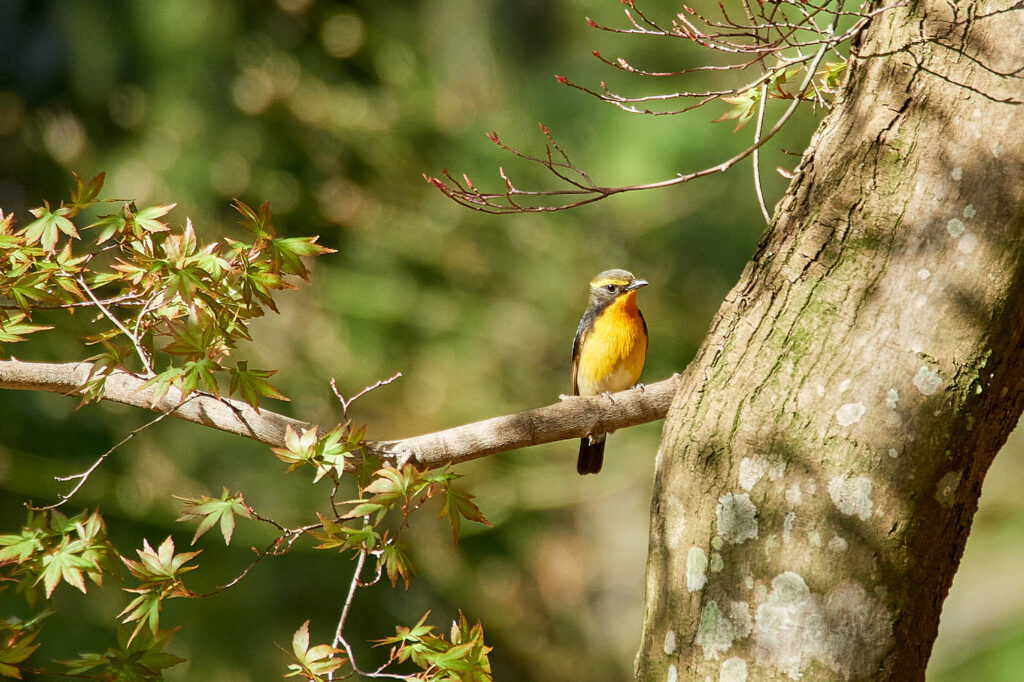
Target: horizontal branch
column 572, row 417
column 223, row 414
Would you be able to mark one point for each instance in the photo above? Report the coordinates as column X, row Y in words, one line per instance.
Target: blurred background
column 332, row 111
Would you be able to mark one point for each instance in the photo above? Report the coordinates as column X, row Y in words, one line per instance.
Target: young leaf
column 312, row 663
column 211, row 511
column 459, row 504
column 134, row 659
column 258, row 223
column 15, row 648
column 85, row 194
column 297, row 450
column 48, row 225
column 286, row 254
column 743, row 107
column 396, row 562
column 250, row 384
column 147, row 218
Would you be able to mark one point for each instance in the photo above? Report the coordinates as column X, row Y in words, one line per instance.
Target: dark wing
column 577, row 344
column 647, row 339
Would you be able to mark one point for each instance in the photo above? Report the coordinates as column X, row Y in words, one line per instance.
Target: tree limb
column 573, row 417
column 223, row 414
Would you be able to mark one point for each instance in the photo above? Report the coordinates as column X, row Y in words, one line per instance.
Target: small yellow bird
column 609, row 350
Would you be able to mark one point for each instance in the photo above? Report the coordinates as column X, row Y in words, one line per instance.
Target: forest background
column 332, row 112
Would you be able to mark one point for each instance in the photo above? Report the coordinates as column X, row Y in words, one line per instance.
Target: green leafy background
column 332, row 111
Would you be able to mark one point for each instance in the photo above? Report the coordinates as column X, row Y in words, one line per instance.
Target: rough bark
column 822, row 461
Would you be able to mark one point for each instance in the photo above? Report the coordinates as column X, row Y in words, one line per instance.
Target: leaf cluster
column 460, row 658
column 158, row 293
column 52, row 548
column 390, row 489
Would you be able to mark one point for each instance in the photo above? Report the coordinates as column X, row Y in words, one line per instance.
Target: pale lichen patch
column 837, row 544
column 718, row 630
column 673, row 674
column 955, row 227
column 968, row 243
column 850, row 413
column 845, row 631
column 717, row 563
column 670, row 643
column 857, row 630
column 892, row 398
column 787, row 525
column 894, row 453
column 787, row 625
column 945, row 491
column 733, row 670
column 696, row 569
column 923, row 274
column 970, row 211
column 736, row 517
column 752, row 469
column 793, row 495
column 675, row 521
column 957, row 174
column 927, row 381
column 852, row 495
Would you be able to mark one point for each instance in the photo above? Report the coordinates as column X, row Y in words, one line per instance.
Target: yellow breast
column 613, row 353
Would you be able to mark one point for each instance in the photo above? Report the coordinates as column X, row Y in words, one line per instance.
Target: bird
column 609, row 350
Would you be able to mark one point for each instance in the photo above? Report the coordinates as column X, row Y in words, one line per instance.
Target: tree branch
column 573, row 417
column 223, row 414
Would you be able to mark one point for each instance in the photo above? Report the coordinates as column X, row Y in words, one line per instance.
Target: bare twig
column 83, row 476
column 280, row 545
column 140, row 351
column 345, row 403
column 339, row 637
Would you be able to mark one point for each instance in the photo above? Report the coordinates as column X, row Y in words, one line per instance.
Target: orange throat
column 613, row 355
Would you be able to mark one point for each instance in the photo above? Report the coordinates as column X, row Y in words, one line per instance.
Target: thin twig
column 756, row 155
column 345, row 403
column 117, row 323
column 83, row 476
column 339, row 638
column 117, row 300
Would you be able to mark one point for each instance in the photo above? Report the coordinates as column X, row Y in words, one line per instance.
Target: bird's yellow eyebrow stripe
column 618, row 281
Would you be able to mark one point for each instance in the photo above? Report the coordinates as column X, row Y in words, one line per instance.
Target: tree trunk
column 823, row 458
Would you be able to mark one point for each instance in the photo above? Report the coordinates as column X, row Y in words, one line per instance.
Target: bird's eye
column 610, row 288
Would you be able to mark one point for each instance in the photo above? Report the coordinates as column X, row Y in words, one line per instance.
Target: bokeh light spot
column 343, row 34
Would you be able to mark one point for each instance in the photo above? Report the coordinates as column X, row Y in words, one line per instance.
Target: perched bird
column 608, row 351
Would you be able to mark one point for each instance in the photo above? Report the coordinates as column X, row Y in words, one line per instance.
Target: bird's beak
column 636, row 284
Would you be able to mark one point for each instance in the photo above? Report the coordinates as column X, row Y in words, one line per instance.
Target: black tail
column 591, row 455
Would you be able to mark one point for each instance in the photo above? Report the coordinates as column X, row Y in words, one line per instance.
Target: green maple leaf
column 48, row 225
column 211, row 511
